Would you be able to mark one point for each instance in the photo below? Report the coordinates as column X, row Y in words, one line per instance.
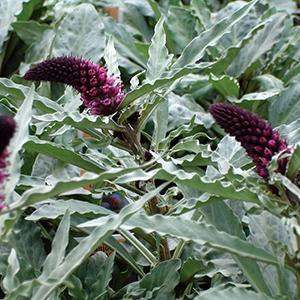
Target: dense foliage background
column 198, row 222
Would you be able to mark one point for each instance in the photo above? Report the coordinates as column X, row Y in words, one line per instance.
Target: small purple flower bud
column 258, row 149
column 272, row 144
column 268, row 153
column 114, row 202
column 263, row 140
column 89, row 79
column 148, row 155
column 260, row 141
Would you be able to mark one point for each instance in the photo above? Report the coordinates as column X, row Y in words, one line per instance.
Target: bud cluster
column 101, row 94
column 256, row 135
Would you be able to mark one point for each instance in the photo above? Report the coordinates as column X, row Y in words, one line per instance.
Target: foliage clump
column 118, row 182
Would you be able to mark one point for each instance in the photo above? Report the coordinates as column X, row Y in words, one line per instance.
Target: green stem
column 179, row 249
column 140, row 247
column 133, row 141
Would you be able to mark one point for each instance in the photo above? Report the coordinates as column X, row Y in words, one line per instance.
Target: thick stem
column 179, row 249
column 153, row 203
column 165, row 252
column 133, row 141
column 155, row 209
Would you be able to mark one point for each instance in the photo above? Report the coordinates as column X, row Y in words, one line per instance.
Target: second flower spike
column 255, row 134
column 100, row 93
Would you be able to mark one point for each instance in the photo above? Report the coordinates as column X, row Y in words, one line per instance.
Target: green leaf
column 30, row 31
column 124, row 45
column 54, row 209
column 270, row 233
column 200, row 233
column 17, row 93
column 123, row 252
column 148, row 110
column 104, row 276
column 259, row 96
column 288, row 6
column 39, row 193
column 159, row 58
column 58, row 249
column 80, row 33
column 285, row 108
column 233, row 293
column 226, row 85
column 183, row 109
column 8, row 12
column 289, row 185
column 201, row 183
column 26, row 240
column 181, row 130
column 268, row 82
column 181, row 27
column 89, row 270
column 222, row 217
column 4, row 253
column 160, row 119
column 291, row 132
column 165, row 276
column 111, row 58
column 292, row 74
column 79, row 120
column 202, row 12
column 260, row 44
column 10, row 281
column 75, row 257
column 133, row 16
column 229, row 153
column 195, row 180
column 197, row 47
column 155, row 7
column 159, row 283
column 22, row 118
column 189, row 269
column 75, row 288
column 294, row 163
column 231, row 52
column 238, row 30
column 39, row 50
column 168, row 78
column 61, row 153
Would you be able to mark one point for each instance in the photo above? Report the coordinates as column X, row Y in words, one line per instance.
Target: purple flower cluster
column 100, row 93
column 255, row 135
column 7, row 129
column 114, row 202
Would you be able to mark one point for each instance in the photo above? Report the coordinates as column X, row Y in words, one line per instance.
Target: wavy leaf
column 80, row 33
column 198, row 232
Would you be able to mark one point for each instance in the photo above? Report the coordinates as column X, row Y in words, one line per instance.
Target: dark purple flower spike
column 7, row 130
column 255, row 135
column 100, row 93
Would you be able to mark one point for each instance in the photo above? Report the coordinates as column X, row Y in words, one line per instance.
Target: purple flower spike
column 100, row 93
column 255, row 135
column 7, row 130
